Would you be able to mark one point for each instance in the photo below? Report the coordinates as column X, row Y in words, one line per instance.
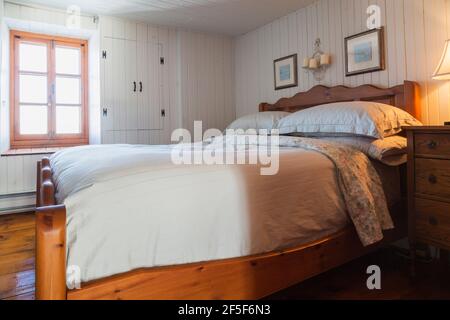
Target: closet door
column 107, row 112
column 149, row 95
column 132, row 78
column 132, row 87
column 155, row 69
column 142, row 76
column 119, row 91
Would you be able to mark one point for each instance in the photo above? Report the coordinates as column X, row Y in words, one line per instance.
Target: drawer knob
column 433, row 221
column 432, row 179
column 432, row 144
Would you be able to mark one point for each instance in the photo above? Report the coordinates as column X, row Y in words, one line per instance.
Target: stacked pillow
column 359, row 118
column 370, row 127
column 259, row 121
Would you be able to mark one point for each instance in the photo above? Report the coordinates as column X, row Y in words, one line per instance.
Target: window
column 48, row 91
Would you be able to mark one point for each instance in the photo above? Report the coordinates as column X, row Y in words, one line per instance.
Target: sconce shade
column 443, row 70
column 325, row 59
column 313, row 63
column 306, row 63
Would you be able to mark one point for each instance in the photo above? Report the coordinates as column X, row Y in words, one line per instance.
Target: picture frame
column 365, row 52
column 285, row 72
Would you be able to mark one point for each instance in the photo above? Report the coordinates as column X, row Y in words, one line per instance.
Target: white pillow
column 355, row 118
column 262, row 120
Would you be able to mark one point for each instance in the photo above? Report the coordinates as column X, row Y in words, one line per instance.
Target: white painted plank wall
column 18, row 174
column 415, row 35
column 206, row 77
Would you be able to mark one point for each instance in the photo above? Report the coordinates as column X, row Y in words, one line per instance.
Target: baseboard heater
column 17, row 202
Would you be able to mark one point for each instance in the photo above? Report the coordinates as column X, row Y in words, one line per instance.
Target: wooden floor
column 346, row 282
column 349, row 281
column 17, row 256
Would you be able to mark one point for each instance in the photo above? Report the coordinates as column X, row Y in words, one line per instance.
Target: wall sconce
column 318, row 63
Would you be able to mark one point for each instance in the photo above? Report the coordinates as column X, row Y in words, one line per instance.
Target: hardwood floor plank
column 17, row 241
column 17, row 262
column 26, row 296
column 349, row 281
column 17, row 256
column 15, row 284
column 14, row 222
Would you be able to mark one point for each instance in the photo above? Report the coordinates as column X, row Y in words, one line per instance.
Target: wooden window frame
column 51, row 139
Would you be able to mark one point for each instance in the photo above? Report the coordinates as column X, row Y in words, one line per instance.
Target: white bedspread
column 129, row 207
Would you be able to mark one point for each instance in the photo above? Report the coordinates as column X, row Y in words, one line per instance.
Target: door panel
column 154, row 85
column 132, row 137
column 143, row 80
column 131, row 84
column 107, row 137
column 120, row 136
column 119, row 89
column 107, row 112
column 131, row 64
column 150, row 86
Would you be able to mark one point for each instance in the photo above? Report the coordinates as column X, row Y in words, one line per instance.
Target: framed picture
column 285, row 72
column 364, row 52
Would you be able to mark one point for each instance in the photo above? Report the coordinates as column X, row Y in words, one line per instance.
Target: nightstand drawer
column 432, row 144
column 433, row 221
column 433, row 177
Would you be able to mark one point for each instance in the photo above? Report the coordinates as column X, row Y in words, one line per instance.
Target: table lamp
column 443, row 70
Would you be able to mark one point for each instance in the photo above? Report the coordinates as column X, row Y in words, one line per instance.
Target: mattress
column 130, row 207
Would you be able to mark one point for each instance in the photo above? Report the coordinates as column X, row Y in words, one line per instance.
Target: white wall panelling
column 18, row 174
column 415, row 35
column 206, row 80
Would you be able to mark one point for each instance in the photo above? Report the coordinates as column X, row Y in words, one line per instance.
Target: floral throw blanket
column 360, row 185
column 358, row 180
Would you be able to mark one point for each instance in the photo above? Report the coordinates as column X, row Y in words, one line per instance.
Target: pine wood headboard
column 406, row 97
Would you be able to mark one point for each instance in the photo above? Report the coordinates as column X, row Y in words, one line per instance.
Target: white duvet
column 129, row 207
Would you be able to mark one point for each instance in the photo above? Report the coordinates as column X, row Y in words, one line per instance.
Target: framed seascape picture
column 285, row 72
column 364, row 52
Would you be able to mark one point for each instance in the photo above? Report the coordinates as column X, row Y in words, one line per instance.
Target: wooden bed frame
column 250, row 277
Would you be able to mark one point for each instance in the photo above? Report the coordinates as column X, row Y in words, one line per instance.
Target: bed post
column 50, row 238
column 412, row 102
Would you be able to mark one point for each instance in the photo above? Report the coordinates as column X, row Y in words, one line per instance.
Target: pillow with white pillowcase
column 362, row 118
column 258, row 121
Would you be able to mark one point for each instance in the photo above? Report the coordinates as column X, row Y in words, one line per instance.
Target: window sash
column 52, row 138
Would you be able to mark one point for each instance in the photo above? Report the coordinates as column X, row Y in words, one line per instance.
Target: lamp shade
column 443, row 70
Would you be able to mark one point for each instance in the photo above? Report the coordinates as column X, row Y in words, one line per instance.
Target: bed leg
column 51, row 253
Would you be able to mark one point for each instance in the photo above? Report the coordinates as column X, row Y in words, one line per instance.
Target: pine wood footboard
column 50, row 238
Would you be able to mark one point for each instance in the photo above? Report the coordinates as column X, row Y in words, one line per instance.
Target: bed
column 228, row 269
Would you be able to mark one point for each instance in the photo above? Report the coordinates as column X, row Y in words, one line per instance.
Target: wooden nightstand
column 429, row 188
